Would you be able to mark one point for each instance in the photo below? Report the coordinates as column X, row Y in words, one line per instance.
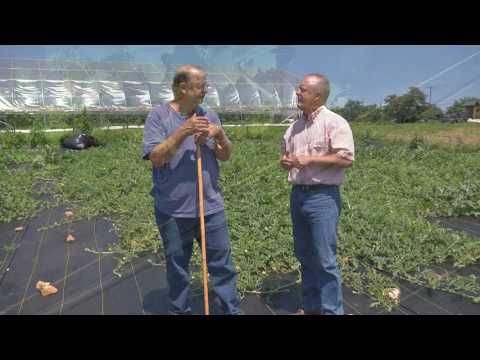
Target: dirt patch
column 455, row 137
column 444, row 137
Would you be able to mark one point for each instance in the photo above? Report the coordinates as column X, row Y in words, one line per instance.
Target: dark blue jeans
column 177, row 236
column 315, row 216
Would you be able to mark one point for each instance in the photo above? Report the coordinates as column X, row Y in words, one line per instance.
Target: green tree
column 355, row 110
column 431, row 113
column 352, row 110
column 406, row 108
column 371, row 113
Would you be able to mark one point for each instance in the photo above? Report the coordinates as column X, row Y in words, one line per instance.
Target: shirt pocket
column 318, row 147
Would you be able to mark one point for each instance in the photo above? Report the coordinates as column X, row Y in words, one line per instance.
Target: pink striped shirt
column 323, row 132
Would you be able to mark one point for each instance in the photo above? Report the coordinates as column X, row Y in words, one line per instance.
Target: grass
column 433, row 133
column 402, row 175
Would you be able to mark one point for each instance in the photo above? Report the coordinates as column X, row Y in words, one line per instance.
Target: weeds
column 384, row 235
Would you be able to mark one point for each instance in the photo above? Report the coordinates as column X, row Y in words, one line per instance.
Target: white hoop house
column 36, row 85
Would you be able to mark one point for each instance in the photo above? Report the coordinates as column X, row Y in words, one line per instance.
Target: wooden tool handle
column 201, row 206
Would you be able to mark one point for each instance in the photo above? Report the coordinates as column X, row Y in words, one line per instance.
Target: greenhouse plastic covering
column 54, row 85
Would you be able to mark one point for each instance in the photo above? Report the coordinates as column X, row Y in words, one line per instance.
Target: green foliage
column 352, row 110
column 371, row 113
column 22, row 120
column 384, row 235
column 83, row 124
column 17, row 176
column 10, row 139
column 406, row 108
column 411, row 107
column 431, row 113
column 459, row 105
column 417, row 143
column 37, row 136
column 82, row 121
column 59, row 120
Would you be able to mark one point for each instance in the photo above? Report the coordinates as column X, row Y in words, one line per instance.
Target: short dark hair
column 182, row 76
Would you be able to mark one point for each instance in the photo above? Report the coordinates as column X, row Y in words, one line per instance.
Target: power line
column 448, row 69
column 463, row 88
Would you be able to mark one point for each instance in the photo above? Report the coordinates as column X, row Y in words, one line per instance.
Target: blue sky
column 361, row 72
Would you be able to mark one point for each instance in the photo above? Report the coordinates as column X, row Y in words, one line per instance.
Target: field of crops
column 403, row 175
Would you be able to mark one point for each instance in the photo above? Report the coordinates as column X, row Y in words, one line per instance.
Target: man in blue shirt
column 170, row 135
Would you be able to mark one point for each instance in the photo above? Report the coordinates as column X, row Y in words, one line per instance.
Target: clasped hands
column 291, row 161
column 201, row 128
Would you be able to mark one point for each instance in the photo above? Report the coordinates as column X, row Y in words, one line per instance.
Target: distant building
column 472, row 109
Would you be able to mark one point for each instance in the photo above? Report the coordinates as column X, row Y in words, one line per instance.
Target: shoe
column 299, row 312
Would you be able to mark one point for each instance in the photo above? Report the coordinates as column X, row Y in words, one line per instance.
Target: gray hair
column 322, row 86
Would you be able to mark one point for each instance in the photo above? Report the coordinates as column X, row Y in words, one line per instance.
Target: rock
column 392, row 294
column 69, row 215
column 70, row 238
column 46, row 288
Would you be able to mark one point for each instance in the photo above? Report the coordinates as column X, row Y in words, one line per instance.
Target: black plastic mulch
column 88, row 285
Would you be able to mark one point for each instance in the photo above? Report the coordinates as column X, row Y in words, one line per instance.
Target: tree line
column 410, row 107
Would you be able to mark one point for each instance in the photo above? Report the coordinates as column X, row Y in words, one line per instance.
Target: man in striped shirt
column 316, row 149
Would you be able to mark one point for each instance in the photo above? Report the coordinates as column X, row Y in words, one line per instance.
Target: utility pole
column 430, row 95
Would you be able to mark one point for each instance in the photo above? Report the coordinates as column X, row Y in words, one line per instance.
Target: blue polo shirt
column 175, row 183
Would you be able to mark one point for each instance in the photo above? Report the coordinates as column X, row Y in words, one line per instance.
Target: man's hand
column 287, row 162
column 300, row 162
column 196, row 125
column 215, row 132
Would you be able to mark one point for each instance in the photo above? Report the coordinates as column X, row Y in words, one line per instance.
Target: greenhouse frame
column 39, row 85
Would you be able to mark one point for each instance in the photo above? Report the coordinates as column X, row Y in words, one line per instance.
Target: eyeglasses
column 203, row 86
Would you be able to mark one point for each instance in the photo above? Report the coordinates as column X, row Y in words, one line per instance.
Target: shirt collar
column 314, row 114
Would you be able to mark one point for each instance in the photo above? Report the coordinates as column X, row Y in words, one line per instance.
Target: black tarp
column 87, row 283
